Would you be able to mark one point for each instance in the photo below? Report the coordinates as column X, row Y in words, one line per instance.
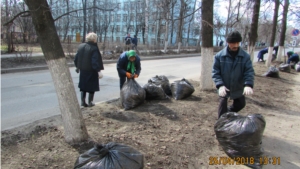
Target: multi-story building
column 113, row 19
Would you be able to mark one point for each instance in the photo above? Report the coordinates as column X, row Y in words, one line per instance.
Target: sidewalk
column 45, row 67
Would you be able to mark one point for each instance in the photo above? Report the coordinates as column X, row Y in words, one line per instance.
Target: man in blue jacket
column 128, row 65
column 233, row 75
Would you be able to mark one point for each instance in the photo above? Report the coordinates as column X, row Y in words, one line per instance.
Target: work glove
column 77, row 70
column 223, row 91
column 128, row 75
column 135, row 76
column 247, row 90
column 100, row 75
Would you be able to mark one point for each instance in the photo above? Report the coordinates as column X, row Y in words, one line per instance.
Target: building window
column 131, row 28
column 112, row 17
column 119, row 5
column 132, row 17
column 153, row 28
column 118, row 19
column 139, row 16
column 152, row 41
column 126, row 6
column 124, row 17
column 118, row 28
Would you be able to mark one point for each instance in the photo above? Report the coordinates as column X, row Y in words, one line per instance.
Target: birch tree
column 207, row 50
column 253, row 29
column 281, row 51
column 74, row 127
column 273, row 33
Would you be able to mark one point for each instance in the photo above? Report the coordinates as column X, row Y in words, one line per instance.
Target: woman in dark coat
column 89, row 62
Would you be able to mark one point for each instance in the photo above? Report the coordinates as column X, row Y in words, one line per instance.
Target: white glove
column 223, row 91
column 100, row 75
column 247, row 90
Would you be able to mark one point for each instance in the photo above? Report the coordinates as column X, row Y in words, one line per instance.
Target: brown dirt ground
column 172, row 134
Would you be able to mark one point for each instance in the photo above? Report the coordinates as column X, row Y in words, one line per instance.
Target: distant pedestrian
column 88, row 62
column 233, row 75
column 128, row 41
column 261, row 53
column 221, row 43
column 134, row 42
column 129, row 65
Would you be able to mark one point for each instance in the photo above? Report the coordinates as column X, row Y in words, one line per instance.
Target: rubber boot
column 83, row 103
column 91, row 98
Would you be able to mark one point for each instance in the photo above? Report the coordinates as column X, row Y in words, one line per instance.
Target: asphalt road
column 30, row 96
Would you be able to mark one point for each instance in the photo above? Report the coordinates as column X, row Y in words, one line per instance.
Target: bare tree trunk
column 94, row 17
column 253, row 29
column 180, row 25
column 207, row 50
column 146, row 22
column 281, row 52
column 273, row 35
column 74, row 127
column 84, row 20
column 166, row 33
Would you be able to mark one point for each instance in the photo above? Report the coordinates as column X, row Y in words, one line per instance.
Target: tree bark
column 281, row 52
column 253, row 30
column 207, row 50
column 180, row 25
column 74, row 126
column 273, row 34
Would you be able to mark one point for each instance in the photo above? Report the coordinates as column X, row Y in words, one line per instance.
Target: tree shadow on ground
column 267, row 106
column 279, row 149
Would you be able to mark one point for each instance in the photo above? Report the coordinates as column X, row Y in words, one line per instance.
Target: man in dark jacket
column 233, row 75
column 89, row 62
column 128, row 41
column 134, row 42
column 261, row 53
column 129, row 65
column 294, row 57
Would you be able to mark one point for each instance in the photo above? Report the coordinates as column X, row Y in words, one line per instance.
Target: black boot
column 83, row 103
column 91, row 98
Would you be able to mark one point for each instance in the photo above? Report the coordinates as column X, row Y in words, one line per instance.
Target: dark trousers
column 238, row 104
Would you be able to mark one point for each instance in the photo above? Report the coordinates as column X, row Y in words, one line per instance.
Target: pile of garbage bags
column 272, row 72
column 181, row 89
column 154, row 91
column 241, row 136
column 110, row 156
column 157, row 88
column 132, row 94
column 284, row 67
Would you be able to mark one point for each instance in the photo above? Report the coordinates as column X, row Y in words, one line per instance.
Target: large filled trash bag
column 110, row 156
column 297, row 67
column 181, row 89
column 272, row 72
column 285, row 67
column 163, row 81
column 154, row 92
column 241, row 136
column 132, row 94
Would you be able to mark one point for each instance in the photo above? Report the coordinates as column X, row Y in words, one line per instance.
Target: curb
column 36, row 68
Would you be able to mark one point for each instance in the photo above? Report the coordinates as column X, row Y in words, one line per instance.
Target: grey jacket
column 233, row 73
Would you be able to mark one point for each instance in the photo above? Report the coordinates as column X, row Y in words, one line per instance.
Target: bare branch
column 12, row 20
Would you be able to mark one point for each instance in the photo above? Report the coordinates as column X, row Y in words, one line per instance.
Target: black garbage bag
column 110, row 156
column 241, row 136
column 132, row 94
column 154, row 92
column 272, row 72
column 297, row 67
column 285, row 67
column 181, row 89
column 163, row 81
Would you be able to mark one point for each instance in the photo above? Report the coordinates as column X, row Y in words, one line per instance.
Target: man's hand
column 223, row 91
column 247, row 90
column 128, row 75
column 135, row 76
column 77, row 70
